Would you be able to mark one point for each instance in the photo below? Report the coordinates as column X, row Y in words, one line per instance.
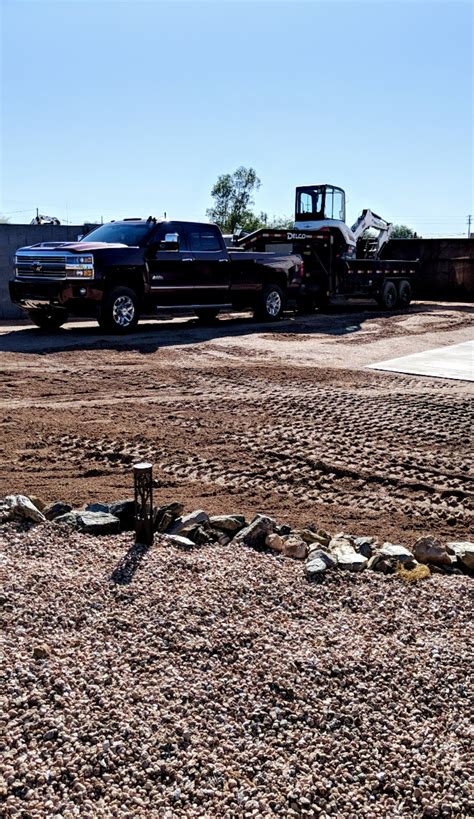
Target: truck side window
column 204, row 239
column 165, row 228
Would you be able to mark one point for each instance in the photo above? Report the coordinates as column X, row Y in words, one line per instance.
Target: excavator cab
column 319, row 203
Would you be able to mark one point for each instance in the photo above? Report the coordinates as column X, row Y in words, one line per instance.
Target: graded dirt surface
column 244, row 417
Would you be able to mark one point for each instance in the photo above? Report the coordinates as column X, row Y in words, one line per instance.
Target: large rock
column 463, row 550
column 97, row 507
column 91, row 523
column 320, row 536
column 389, row 556
column 55, row 509
column 124, row 510
column 341, row 544
column 431, row 550
column 351, row 561
column 295, row 547
column 227, row 523
column 318, row 563
column 256, row 532
column 274, row 541
column 21, row 508
column 200, row 535
column 195, row 518
column 342, row 548
column 365, row 545
column 400, row 553
column 181, row 542
column 289, row 546
column 164, row 516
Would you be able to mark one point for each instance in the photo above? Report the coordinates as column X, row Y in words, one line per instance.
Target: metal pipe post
column 143, row 484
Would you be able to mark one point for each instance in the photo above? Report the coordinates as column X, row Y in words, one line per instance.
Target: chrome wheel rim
column 273, row 303
column 123, row 311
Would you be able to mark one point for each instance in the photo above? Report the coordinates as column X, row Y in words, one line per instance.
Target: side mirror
column 80, row 237
column 170, row 242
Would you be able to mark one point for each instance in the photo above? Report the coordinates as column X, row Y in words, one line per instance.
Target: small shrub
column 420, row 572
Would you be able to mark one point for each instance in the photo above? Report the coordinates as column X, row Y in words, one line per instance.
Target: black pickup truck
column 134, row 267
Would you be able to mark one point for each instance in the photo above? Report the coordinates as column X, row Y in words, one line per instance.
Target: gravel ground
column 220, row 683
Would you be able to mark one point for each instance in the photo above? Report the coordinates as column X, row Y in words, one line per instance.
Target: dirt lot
column 244, row 417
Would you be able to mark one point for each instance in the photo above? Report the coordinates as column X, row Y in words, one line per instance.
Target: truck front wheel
column 48, row 319
column 119, row 311
column 271, row 303
column 388, row 297
column 404, row 294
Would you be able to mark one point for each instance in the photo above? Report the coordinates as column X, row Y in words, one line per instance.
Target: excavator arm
column 366, row 220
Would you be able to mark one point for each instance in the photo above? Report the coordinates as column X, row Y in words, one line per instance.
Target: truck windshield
column 125, row 234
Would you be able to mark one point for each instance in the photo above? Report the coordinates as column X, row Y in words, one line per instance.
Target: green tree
column 403, row 232
column 280, row 222
column 233, row 201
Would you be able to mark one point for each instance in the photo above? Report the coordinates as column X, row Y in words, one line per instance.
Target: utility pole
column 469, row 225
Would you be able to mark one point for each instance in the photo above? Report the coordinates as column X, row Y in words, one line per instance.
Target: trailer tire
column 207, row 313
column 404, row 294
column 119, row 311
column 47, row 319
column 271, row 303
column 388, row 297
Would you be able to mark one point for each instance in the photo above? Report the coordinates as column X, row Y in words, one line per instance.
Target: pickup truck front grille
column 51, row 267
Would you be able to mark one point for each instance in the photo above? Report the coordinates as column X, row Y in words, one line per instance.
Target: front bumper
column 79, row 298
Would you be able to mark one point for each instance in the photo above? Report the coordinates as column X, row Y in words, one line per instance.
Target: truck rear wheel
column 404, row 294
column 119, row 312
column 388, row 297
column 271, row 303
column 48, row 319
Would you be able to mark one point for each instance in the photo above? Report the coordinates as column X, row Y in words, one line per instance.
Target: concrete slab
column 455, row 361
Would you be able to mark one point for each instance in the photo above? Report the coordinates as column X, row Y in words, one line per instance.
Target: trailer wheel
column 404, row 294
column 119, row 311
column 48, row 319
column 271, row 303
column 206, row 313
column 388, row 297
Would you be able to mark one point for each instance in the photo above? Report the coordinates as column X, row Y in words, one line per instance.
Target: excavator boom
column 367, row 220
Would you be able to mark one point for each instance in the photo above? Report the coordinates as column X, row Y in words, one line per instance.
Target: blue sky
column 134, row 108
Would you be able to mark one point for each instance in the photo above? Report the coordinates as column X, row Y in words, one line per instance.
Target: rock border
column 320, row 551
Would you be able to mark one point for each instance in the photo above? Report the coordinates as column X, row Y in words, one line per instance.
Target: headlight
column 80, row 267
column 74, row 261
column 79, row 272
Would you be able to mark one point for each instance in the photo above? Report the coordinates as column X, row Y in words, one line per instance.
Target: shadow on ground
column 124, row 572
column 150, row 337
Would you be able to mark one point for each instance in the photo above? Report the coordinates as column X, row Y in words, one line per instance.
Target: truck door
column 171, row 267
column 211, row 267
